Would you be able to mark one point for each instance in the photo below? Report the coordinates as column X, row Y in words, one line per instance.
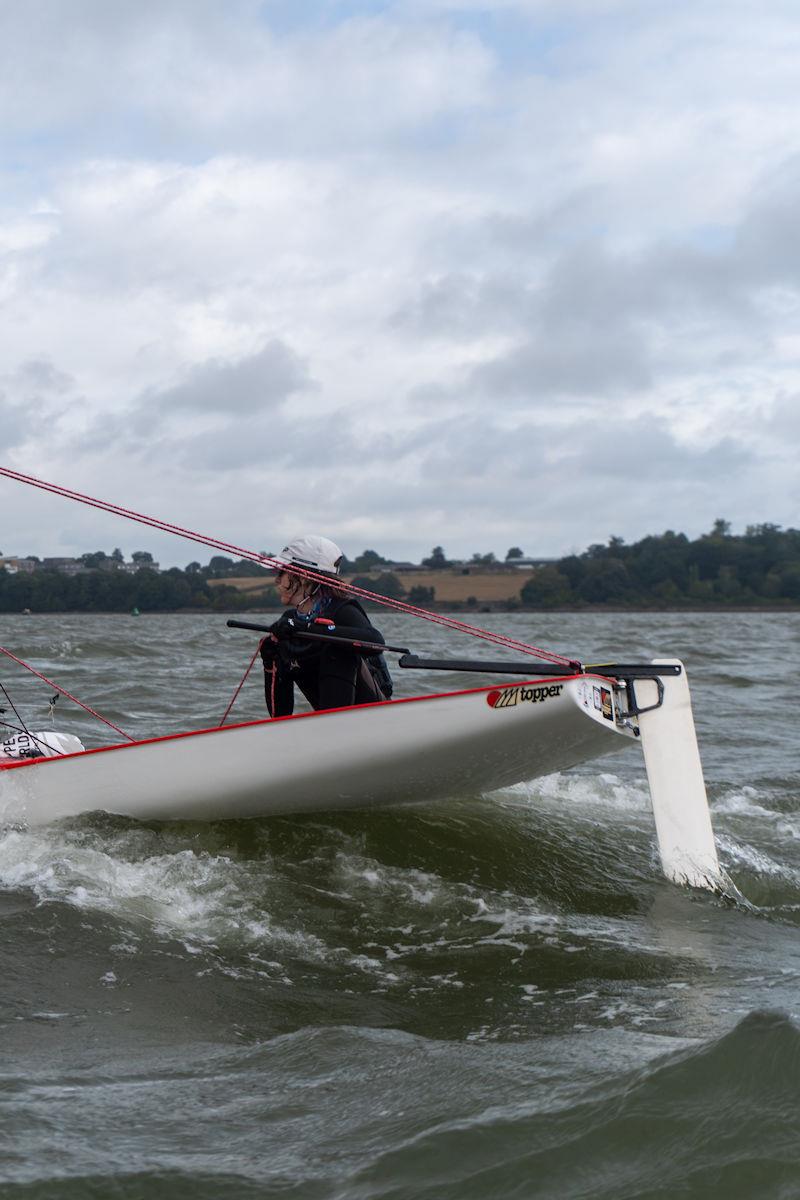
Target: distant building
column 130, row 568
column 14, row 565
column 66, row 566
column 74, row 566
column 526, row 564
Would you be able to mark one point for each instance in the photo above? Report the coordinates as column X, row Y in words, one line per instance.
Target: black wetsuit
column 329, row 676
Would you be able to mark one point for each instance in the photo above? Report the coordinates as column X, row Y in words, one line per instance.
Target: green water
column 497, row 997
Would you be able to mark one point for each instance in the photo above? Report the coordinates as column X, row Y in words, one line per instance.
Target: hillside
column 450, row 587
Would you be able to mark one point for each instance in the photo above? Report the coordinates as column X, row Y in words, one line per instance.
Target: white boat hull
column 405, row 751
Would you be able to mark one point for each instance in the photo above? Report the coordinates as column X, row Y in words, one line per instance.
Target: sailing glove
column 288, row 625
column 269, row 651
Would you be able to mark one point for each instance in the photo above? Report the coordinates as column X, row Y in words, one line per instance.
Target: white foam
column 743, row 801
column 749, row 803
column 185, row 893
column 585, row 791
column 408, row 884
column 755, row 860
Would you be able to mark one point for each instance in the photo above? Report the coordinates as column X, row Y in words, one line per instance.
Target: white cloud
column 432, row 271
column 212, row 76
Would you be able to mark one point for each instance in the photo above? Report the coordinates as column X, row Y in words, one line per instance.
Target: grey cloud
column 579, row 360
column 592, row 285
column 552, row 229
column 766, row 248
column 636, row 450
column 480, row 447
column 783, row 422
column 539, row 485
column 593, row 321
column 523, row 235
column 459, row 304
column 584, row 283
column 16, row 424
column 645, row 450
column 600, row 323
column 256, row 384
column 34, row 397
column 240, row 445
column 269, row 441
column 37, row 379
column 549, row 488
column 246, row 395
column 274, row 444
column 38, row 375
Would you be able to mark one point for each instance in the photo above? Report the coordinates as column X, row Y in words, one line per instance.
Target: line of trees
column 437, row 560
column 759, row 567
column 98, row 590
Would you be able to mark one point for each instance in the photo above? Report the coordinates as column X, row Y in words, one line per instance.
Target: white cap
column 313, row 552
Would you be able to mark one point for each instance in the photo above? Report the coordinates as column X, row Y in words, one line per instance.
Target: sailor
column 329, row 675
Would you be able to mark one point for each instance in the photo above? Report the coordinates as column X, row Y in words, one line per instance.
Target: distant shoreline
column 458, row 610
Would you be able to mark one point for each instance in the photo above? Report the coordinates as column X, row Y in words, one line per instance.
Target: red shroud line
column 326, row 712
column 265, row 560
column 64, row 692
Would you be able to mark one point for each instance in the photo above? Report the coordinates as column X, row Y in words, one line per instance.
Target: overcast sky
column 427, row 272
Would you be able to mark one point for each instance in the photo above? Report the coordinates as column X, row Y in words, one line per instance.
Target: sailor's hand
column 289, row 624
column 268, row 650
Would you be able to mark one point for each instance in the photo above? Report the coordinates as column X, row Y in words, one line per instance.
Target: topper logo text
column 510, row 697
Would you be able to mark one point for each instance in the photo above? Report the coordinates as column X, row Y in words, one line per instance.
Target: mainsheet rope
column 241, row 684
column 129, row 514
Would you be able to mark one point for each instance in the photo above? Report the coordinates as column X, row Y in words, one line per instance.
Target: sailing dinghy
column 398, row 752
column 425, row 748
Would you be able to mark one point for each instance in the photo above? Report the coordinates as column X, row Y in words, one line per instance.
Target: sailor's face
column 288, row 587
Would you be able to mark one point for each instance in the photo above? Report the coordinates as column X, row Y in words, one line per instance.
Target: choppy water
column 499, row 997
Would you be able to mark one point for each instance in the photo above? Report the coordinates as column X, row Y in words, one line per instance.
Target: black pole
column 530, row 668
column 369, row 647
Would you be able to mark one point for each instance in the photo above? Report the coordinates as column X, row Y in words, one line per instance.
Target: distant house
column 74, row 566
column 527, row 564
column 14, row 565
column 66, row 566
column 130, row 568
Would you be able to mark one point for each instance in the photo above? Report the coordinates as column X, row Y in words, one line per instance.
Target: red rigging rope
column 241, row 684
column 402, row 606
column 64, row 692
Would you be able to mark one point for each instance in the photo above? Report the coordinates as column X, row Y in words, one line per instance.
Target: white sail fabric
column 41, row 745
